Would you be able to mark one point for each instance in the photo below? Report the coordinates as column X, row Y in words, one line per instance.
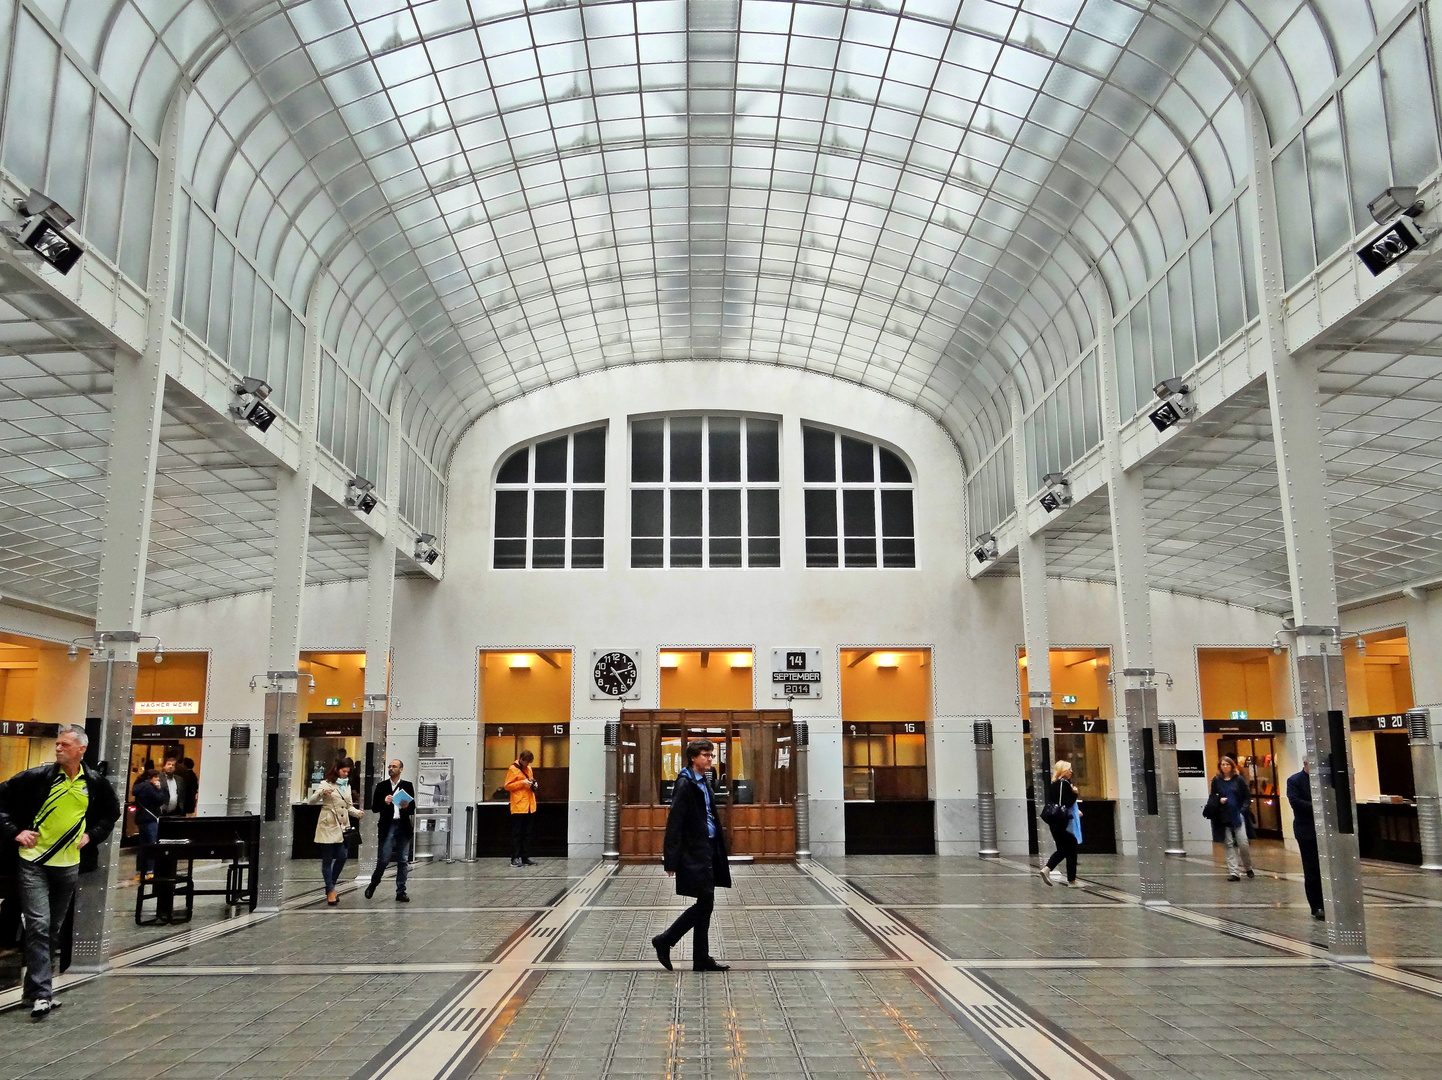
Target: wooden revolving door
column 754, row 774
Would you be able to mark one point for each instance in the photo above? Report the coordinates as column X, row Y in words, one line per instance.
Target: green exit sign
column 332, row 701
column 1068, row 699
column 1239, row 714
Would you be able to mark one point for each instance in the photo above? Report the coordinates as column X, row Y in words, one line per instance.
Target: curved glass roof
column 902, row 193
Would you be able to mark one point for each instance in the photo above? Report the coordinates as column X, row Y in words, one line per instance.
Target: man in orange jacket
column 522, row 784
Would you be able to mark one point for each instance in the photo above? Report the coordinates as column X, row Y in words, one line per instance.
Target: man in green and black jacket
column 58, row 815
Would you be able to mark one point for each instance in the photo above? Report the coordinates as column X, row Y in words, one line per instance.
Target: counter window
column 550, row 744
column 884, row 762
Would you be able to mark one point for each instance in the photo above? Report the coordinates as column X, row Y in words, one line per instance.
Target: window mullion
column 530, row 527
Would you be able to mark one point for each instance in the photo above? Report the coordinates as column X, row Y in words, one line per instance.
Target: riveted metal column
column 1031, row 555
column 136, row 413
column 802, row 744
column 981, row 736
column 611, row 825
column 1301, row 475
column 1424, row 776
column 1125, row 503
column 283, row 690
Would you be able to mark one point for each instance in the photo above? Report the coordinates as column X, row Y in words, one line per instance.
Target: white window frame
column 531, row 487
column 876, row 485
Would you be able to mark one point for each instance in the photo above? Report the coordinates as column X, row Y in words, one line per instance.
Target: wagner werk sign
column 795, row 673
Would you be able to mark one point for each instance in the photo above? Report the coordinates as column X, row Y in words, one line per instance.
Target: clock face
column 615, row 674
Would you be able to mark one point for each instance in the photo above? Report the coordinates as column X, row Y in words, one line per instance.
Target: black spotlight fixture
column 1057, row 493
column 1395, row 208
column 426, row 551
column 1176, row 405
column 44, row 231
column 360, row 494
column 985, row 549
column 249, row 404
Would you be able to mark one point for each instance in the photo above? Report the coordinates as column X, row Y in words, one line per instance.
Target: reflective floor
column 861, row 967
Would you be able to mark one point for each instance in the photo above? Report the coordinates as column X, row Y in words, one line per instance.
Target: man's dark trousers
column 1311, row 868
column 696, row 918
column 45, row 896
column 397, row 846
column 521, row 836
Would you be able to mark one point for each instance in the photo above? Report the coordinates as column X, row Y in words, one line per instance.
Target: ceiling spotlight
column 1057, row 493
column 426, row 551
column 360, row 494
column 985, row 549
column 249, row 404
column 1177, row 406
column 1393, row 203
column 43, row 231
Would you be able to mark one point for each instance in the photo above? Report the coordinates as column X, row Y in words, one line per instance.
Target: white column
column 1307, row 525
column 1125, row 503
column 1036, row 630
column 283, row 692
column 136, row 411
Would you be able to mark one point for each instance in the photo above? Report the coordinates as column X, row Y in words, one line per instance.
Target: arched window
column 551, row 504
column 858, row 502
column 706, row 491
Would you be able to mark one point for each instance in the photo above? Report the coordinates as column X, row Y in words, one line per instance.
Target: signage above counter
column 1385, row 722
column 795, row 673
column 1244, row 727
column 28, row 729
column 157, row 708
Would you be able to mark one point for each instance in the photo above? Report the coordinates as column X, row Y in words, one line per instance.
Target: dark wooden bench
column 234, row 840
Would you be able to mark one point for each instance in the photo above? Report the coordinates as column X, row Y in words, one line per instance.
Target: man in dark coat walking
column 696, row 857
column 1304, row 828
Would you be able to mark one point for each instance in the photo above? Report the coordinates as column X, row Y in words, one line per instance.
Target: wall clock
column 615, row 674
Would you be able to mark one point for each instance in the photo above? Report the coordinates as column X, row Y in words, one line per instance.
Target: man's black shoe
column 370, row 890
column 515, row 862
column 663, row 952
column 402, row 898
column 528, row 862
column 710, row 964
column 1318, row 913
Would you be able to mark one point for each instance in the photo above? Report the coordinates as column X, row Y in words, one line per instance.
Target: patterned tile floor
column 863, row 967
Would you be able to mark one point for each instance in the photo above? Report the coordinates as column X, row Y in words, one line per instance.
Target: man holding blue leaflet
column 394, row 803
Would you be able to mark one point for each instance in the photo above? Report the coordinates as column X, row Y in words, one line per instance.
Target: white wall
column 973, row 628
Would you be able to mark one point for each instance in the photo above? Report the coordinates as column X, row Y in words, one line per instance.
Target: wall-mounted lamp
column 425, row 549
column 888, row 660
column 249, row 403
column 1058, row 492
column 43, row 231
column 741, row 659
column 670, row 660
column 1395, row 208
column 985, row 548
column 1177, row 406
column 520, row 662
column 360, row 494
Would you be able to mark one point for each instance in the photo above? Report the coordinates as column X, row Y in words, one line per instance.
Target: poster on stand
column 435, row 785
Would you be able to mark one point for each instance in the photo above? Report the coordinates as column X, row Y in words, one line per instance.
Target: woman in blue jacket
column 1232, row 818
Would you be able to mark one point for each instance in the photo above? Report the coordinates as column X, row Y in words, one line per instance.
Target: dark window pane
column 648, row 513
column 588, row 513
column 859, row 508
column 686, row 449
column 861, row 552
column 725, row 551
column 548, row 554
column 514, row 471
column 510, row 554
column 821, row 513
column 647, row 447
column 511, row 513
column 647, row 553
column 551, row 461
column 898, row 553
column 724, row 435
column 725, row 513
column 548, row 514
column 686, row 551
column 587, row 553
column 763, row 512
column 686, row 513
column 818, row 451
column 820, row 552
column 763, row 460
column 590, row 456
column 893, row 469
column 896, row 514
column 764, row 551
column 856, row 467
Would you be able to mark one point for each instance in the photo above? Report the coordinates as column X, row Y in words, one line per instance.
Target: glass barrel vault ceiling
column 902, row 193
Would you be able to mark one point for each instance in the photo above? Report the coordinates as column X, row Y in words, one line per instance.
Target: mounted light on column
column 1058, row 492
column 1395, row 208
column 360, row 494
column 43, row 231
column 425, row 549
column 985, row 549
column 1177, row 406
column 249, row 403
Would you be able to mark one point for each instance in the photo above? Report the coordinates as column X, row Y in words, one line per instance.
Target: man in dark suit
column 189, row 785
column 394, row 804
column 696, row 857
column 1304, row 828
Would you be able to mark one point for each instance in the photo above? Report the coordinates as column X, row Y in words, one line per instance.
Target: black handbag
column 1054, row 813
column 1213, row 807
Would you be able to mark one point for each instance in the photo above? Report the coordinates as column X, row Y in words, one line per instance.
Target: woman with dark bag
column 1229, row 808
column 1060, row 812
column 149, row 801
column 336, row 811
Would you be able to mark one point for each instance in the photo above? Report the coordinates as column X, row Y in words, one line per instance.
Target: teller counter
column 1388, row 831
column 550, row 831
